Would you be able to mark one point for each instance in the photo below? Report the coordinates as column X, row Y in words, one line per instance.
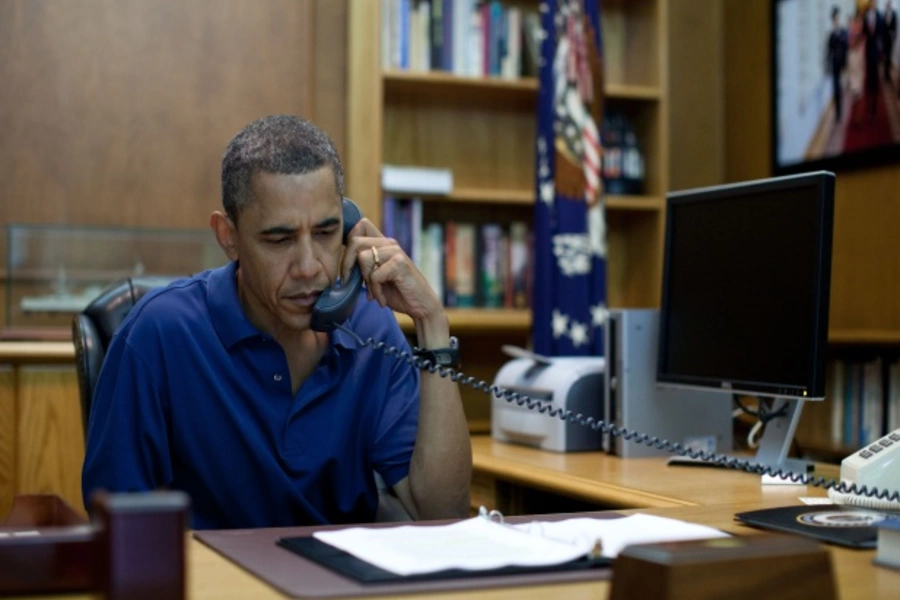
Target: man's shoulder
column 165, row 310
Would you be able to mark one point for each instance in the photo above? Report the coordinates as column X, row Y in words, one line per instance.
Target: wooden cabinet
column 483, row 129
column 41, row 434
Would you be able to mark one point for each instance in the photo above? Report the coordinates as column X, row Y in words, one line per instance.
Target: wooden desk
column 519, row 480
column 211, row 576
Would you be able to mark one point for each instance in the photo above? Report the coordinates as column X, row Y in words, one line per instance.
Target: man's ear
column 226, row 233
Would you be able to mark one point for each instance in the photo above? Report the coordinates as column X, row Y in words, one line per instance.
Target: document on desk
column 481, row 544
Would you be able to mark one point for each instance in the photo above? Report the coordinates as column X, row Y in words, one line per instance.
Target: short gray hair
column 283, row 144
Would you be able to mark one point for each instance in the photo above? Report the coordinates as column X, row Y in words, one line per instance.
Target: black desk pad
column 848, row 526
column 350, row 566
column 259, row 552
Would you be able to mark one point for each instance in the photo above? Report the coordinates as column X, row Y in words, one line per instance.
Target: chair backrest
column 93, row 328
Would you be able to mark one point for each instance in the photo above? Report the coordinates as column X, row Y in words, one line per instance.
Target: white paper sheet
column 480, row 543
column 615, row 534
column 476, row 543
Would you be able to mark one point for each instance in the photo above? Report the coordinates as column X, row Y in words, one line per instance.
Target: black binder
column 359, row 570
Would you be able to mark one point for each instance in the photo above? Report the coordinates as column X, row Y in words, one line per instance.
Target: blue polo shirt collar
column 228, row 318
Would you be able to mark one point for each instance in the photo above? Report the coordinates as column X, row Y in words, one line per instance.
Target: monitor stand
column 774, row 444
column 777, row 437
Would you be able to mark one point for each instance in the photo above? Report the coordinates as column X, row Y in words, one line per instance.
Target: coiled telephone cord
column 626, row 434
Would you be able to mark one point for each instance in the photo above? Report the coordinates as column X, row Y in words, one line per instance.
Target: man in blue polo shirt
column 216, row 385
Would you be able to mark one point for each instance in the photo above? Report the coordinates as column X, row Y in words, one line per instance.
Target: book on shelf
column 450, row 265
column 465, row 248
column 402, row 179
column 432, row 265
column 467, row 264
column 862, row 409
column 520, row 266
column 470, row 38
column 490, row 266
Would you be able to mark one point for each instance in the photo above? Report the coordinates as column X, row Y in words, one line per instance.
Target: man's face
column 288, row 241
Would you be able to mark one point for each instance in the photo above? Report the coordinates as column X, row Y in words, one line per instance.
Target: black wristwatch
column 441, row 357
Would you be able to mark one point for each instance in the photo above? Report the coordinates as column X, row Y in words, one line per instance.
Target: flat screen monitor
column 746, row 283
column 834, row 71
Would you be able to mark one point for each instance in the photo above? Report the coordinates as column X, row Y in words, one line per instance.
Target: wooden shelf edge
column 444, row 78
column 625, row 91
column 497, row 196
column 524, row 197
column 399, row 78
column 646, row 203
column 479, row 320
column 863, row 336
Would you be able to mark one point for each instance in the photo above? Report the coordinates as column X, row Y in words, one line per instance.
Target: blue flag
column 569, row 299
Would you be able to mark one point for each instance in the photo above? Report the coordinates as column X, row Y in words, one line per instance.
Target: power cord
column 623, row 432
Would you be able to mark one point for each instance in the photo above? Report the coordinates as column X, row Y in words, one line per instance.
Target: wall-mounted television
column 835, row 84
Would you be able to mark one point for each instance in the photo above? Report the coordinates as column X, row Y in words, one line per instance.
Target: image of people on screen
column 837, row 64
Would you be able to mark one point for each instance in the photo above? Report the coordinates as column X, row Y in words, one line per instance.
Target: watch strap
column 448, row 357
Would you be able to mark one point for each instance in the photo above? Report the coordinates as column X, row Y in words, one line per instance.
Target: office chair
column 92, row 330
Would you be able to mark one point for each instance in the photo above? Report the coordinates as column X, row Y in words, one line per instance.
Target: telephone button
column 895, row 436
column 875, row 448
column 885, row 442
column 865, row 454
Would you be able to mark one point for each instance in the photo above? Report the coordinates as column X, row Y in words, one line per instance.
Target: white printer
column 573, row 383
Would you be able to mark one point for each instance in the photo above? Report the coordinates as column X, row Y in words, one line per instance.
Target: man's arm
column 441, row 470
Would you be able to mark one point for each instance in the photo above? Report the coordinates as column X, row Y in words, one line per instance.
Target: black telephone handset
column 336, row 302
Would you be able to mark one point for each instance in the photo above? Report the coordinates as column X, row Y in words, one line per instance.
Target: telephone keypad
column 875, row 448
column 895, row 436
column 885, row 442
column 865, row 454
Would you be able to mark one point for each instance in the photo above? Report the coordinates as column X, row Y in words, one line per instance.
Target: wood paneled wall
column 696, row 70
column 866, row 254
column 116, row 112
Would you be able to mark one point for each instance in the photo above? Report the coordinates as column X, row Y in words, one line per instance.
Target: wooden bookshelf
column 483, row 130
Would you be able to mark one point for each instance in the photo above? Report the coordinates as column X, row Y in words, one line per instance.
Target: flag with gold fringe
column 569, row 295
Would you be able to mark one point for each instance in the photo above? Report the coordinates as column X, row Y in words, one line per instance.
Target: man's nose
column 305, row 263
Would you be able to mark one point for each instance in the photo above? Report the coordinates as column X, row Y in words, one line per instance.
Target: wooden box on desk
column 775, row 567
column 45, row 546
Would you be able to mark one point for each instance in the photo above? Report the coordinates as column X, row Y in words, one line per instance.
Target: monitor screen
column 746, row 281
column 833, row 91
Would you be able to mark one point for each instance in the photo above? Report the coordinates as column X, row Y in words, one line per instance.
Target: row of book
column 476, row 38
column 865, row 400
column 468, row 264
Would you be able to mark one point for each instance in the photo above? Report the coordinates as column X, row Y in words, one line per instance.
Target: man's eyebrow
column 329, row 222
column 279, row 230
column 285, row 230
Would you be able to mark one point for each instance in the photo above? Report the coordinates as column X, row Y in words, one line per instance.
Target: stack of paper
column 480, row 543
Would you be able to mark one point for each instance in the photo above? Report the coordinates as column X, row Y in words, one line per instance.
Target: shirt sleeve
column 127, row 446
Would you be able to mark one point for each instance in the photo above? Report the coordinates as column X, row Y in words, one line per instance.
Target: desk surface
column 701, row 495
column 631, row 483
column 211, row 576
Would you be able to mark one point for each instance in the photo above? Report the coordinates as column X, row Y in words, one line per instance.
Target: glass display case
column 54, row 271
